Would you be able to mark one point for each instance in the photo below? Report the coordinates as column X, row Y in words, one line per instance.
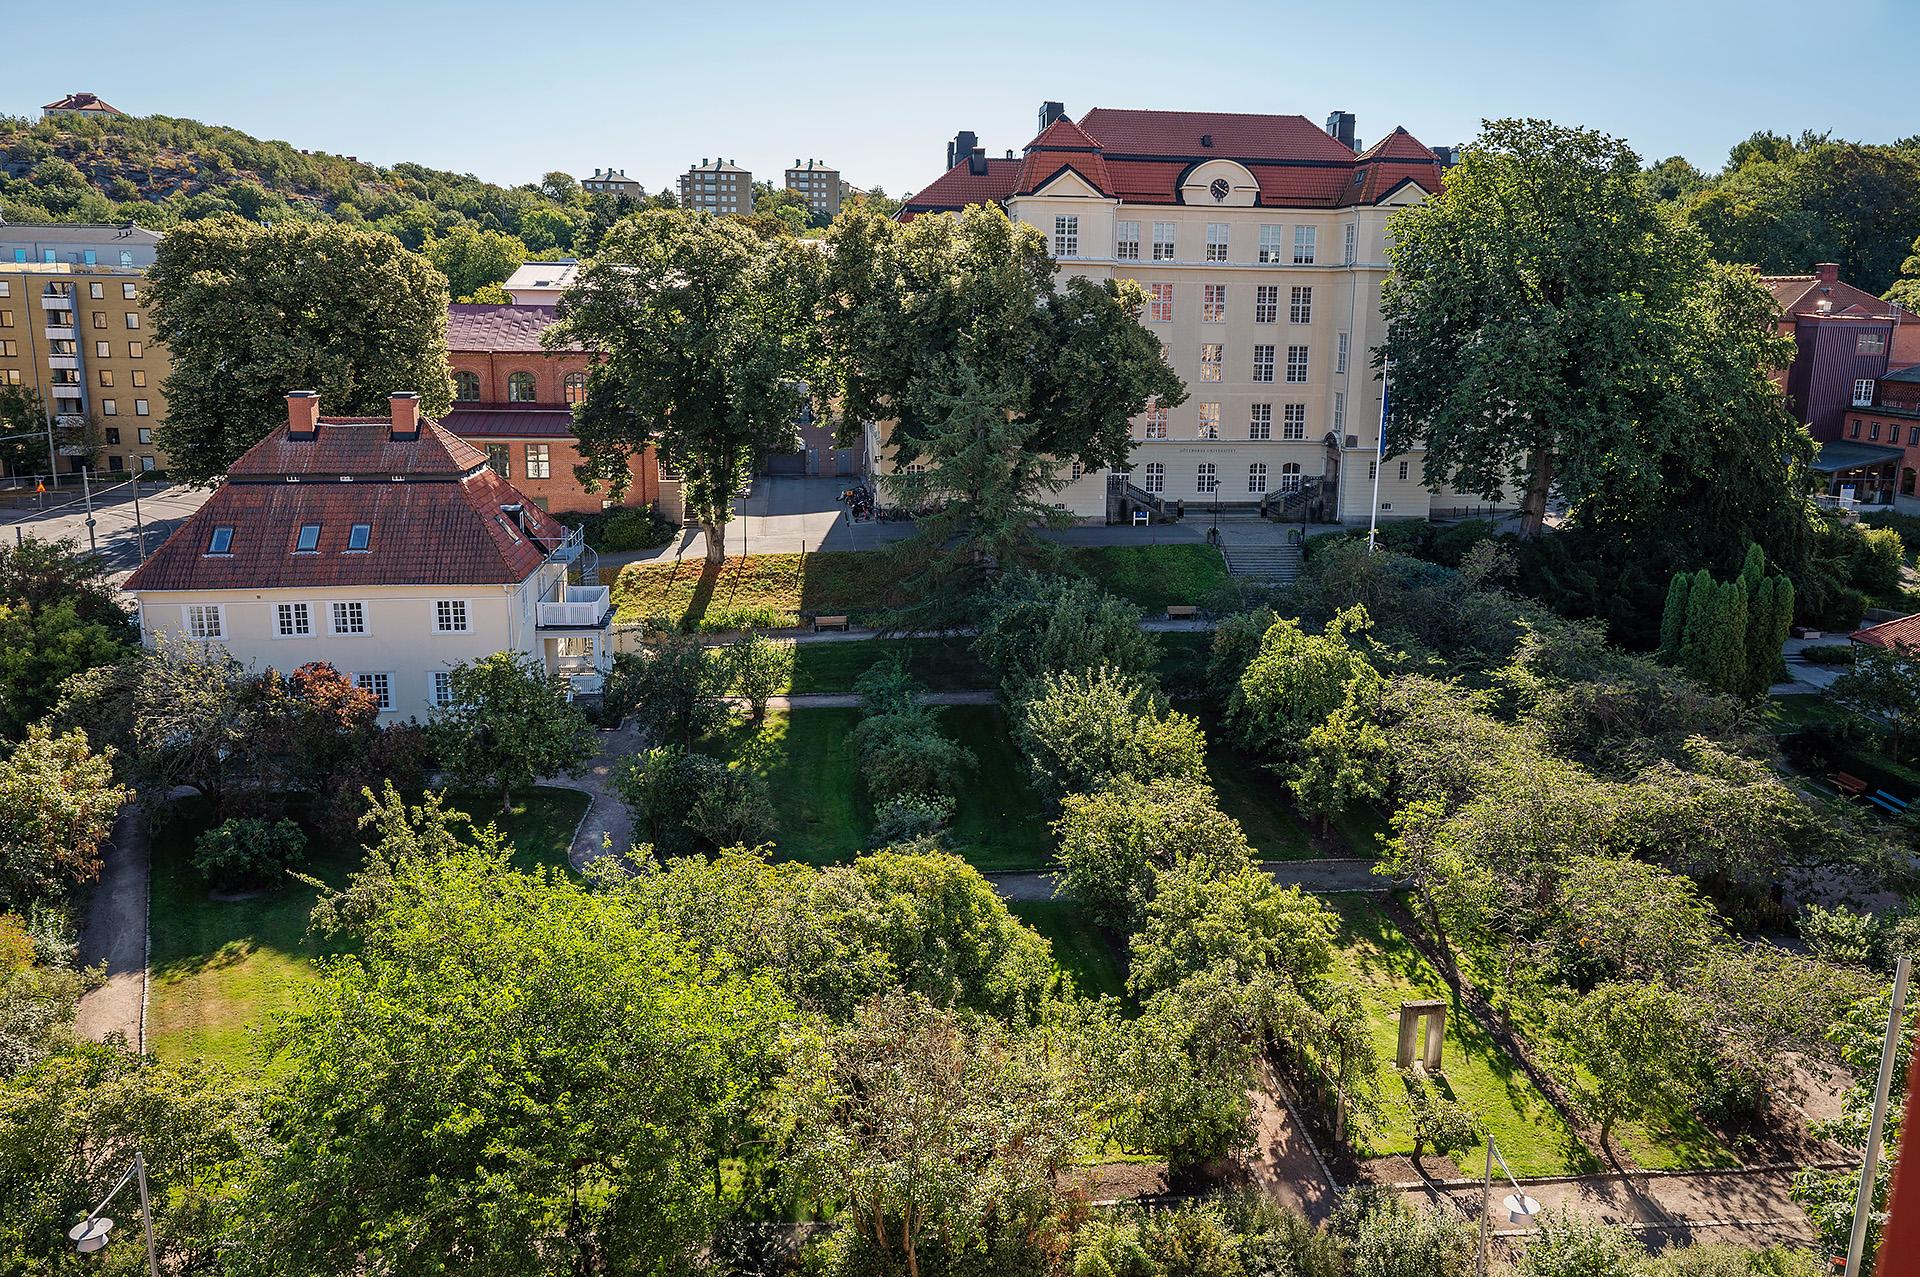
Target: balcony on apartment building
column 576, row 607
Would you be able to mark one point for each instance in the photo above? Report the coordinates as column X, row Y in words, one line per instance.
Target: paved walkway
column 848, row 700
column 115, row 936
column 607, row 827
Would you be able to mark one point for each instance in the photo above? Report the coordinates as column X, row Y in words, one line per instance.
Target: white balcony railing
column 581, row 607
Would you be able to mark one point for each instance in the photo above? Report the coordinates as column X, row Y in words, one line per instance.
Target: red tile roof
column 1803, row 295
column 481, row 326
column 82, row 102
column 1140, row 157
column 1237, row 137
column 508, row 421
column 1903, row 634
column 442, row 523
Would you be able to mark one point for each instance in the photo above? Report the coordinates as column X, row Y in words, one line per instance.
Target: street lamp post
column 1520, row 1207
column 91, row 1233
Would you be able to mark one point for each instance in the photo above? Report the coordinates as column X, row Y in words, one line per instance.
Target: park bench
column 1181, row 611
column 1847, row 784
column 830, row 623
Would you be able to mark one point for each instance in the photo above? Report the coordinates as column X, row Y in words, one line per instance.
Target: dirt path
column 115, row 936
column 1345, row 873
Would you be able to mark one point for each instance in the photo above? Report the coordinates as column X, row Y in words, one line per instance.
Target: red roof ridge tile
column 1901, row 632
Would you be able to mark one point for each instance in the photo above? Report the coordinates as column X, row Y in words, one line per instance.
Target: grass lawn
column 773, row 591
column 1788, row 714
column 1376, row 957
column 1153, row 577
column 824, row 817
column 941, row 664
column 222, row 969
column 1080, row 949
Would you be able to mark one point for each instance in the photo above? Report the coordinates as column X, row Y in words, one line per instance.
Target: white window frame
column 1213, row 360
column 1290, row 477
column 1300, row 305
column 1270, row 243
column 1339, row 412
column 1863, row 392
column 193, row 622
column 1156, row 423
column 383, row 693
column 1266, row 304
column 440, row 689
column 299, row 613
column 447, row 611
column 1066, row 235
column 1299, row 359
column 1306, row 243
column 1404, row 466
column 1260, row 421
column 1206, row 478
column 1293, row 422
column 1160, row 296
column 336, row 608
column 1209, row 424
column 1213, row 303
column 1154, row 481
column 1352, row 246
column 1257, row 478
column 1342, row 343
column 1263, row 362
column 539, row 465
column 1165, row 240
column 1126, row 241
column 1217, row 233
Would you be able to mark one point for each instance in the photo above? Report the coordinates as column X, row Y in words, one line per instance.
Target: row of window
column 88, row 256
column 1273, row 248
column 96, row 289
column 347, row 618
column 1206, row 477
column 1893, row 432
column 141, row 408
column 1213, row 360
column 1293, row 420
column 521, row 387
column 1213, row 304
column 538, row 463
column 113, row 433
column 138, row 376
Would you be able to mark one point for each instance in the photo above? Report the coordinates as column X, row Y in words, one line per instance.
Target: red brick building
column 1842, row 336
column 1885, row 416
column 513, row 399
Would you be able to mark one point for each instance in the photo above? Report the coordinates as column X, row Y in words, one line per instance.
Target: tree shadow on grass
column 702, row 595
column 230, row 954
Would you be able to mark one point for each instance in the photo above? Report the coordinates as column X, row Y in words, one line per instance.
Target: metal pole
column 86, row 495
column 1863, row 1199
column 146, row 1212
column 1379, row 461
column 139, row 528
column 1486, row 1205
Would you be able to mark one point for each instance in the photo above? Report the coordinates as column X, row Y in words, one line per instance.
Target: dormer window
column 359, row 536
column 309, row 541
column 222, row 540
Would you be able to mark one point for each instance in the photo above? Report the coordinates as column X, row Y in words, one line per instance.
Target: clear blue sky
column 510, row 91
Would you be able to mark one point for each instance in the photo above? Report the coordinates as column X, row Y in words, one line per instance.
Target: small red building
column 513, row 399
column 1843, row 336
column 1885, row 413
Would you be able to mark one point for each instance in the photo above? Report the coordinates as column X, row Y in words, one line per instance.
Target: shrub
column 758, row 668
column 1877, row 562
column 909, row 818
column 690, row 802
column 1828, row 654
column 641, row 528
column 1905, row 526
column 248, row 852
column 672, row 689
column 906, row 753
column 1036, row 625
column 1114, row 843
column 1084, row 731
column 1451, row 544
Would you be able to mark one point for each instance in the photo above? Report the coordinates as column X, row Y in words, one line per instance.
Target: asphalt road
column 117, row 527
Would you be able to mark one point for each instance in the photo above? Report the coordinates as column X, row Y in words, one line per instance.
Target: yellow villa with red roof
column 1261, row 242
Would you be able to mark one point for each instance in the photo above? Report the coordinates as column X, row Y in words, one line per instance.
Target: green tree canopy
column 509, row 723
column 472, row 259
column 705, row 338
column 250, row 312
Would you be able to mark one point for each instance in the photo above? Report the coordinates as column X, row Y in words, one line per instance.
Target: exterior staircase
column 1276, row 561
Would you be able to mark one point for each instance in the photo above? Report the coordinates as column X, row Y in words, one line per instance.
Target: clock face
column 1219, row 188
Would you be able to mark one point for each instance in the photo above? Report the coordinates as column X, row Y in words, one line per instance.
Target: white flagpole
column 1379, row 464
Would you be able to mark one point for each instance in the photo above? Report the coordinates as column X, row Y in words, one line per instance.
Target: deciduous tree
column 473, row 259
column 57, row 805
column 249, row 312
column 509, row 723
column 705, row 338
column 1114, row 842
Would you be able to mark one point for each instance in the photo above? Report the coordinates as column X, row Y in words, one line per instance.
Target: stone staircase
column 1277, row 561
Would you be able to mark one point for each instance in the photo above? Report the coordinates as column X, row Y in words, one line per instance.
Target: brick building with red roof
column 1260, row 240
column 513, row 399
column 385, row 546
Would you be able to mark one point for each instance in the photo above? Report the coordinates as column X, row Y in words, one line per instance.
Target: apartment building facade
column 74, row 329
column 717, row 186
column 513, row 400
column 613, row 182
column 386, row 547
column 1261, row 242
column 819, row 185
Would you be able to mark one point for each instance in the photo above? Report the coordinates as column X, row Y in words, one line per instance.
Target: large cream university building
column 1261, row 241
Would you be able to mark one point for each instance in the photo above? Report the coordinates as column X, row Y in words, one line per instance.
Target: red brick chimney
column 1827, row 272
column 303, row 415
column 404, row 406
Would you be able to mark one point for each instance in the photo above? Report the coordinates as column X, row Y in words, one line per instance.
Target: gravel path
column 115, row 936
column 847, row 700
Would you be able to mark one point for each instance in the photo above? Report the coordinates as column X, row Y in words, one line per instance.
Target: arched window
column 520, row 388
column 126, row 257
column 575, row 387
column 1156, row 477
column 466, row 387
column 1257, row 478
column 1208, row 478
column 1290, row 477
